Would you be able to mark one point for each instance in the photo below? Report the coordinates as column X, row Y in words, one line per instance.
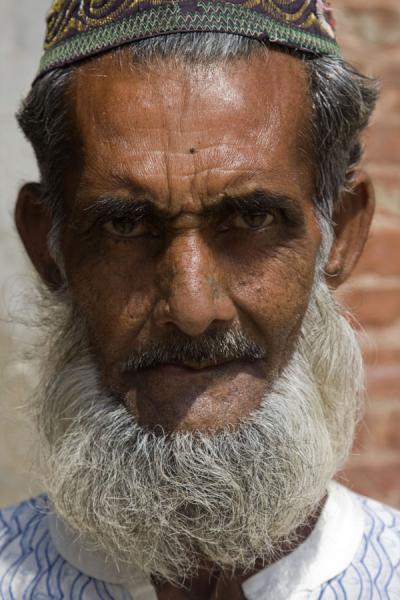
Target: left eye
column 123, row 228
column 253, row 220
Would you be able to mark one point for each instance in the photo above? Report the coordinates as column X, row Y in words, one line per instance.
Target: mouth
column 191, row 367
column 187, row 395
column 199, row 366
column 187, row 376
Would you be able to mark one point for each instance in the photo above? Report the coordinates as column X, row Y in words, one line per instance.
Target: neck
column 213, row 585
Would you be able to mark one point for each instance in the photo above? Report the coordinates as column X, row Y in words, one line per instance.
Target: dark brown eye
column 253, row 220
column 125, row 228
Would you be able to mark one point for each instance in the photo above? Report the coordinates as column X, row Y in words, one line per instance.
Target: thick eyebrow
column 258, row 201
column 110, row 208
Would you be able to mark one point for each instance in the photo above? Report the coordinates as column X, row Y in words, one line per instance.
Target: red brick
column 386, row 66
column 369, row 32
column 369, row 19
column 388, row 107
column 382, row 251
column 367, row 6
column 380, row 429
column 374, row 353
column 383, row 142
column 386, row 179
column 376, row 304
column 380, row 481
column 383, row 380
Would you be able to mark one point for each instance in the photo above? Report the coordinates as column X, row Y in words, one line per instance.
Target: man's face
column 189, row 246
column 190, row 216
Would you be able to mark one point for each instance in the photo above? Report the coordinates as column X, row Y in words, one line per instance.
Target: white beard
column 167, row 503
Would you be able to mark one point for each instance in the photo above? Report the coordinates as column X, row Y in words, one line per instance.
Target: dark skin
column 221, row 588
column 189, row 210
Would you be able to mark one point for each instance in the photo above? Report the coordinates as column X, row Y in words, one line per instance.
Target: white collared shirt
column 353, row 553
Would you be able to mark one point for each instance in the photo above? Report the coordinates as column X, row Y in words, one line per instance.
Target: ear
column 33, row 222
column 352, row 220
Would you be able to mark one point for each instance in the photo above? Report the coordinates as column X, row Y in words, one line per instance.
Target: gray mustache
column 212, row 347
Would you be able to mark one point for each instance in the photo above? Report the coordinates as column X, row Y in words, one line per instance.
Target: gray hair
column 342, row 101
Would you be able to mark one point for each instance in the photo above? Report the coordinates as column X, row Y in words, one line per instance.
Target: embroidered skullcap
column 78, row 29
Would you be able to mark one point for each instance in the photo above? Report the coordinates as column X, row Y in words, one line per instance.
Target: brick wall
column 370, row 37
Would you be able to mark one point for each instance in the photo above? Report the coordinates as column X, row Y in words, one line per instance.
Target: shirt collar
column 328, row 551
column 95, row 563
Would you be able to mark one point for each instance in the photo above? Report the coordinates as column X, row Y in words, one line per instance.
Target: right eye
column 253, row 221
column 126, row 229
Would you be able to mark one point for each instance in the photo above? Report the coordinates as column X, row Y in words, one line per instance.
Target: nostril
column 192, row 294
column 194, row 314
column 187, row 316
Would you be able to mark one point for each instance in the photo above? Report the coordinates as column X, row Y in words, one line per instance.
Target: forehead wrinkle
column 199, row 199
column 221, row 92
column 164, row 141
column 234, row 95
column 198, row 182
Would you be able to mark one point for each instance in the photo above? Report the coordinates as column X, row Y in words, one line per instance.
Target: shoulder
column 23, row 535
column 389, row 516
column 374, row 572
column 381, row 530
column 30, row 565
column 39, row 504
column 15, row 521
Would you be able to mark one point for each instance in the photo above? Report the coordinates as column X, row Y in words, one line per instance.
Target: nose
column 192, row 294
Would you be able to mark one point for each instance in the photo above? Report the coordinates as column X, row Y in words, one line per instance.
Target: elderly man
column 199, row 202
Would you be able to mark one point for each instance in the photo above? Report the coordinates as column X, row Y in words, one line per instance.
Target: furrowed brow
column 113, row 208
column 259, row 200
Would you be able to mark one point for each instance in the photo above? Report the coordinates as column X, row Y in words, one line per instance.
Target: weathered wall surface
column 370, row 34
column 21, row 34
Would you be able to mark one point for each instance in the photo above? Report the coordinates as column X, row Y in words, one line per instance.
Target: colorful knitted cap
column 77, row 29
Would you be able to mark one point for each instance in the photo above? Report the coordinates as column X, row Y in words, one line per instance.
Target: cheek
column 116, row 298
column 273, row 295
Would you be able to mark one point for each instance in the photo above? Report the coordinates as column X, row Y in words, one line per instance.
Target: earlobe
column 352, row 220
column 33, row 222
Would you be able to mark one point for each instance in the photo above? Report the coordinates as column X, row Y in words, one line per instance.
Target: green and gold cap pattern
column 78, row 29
